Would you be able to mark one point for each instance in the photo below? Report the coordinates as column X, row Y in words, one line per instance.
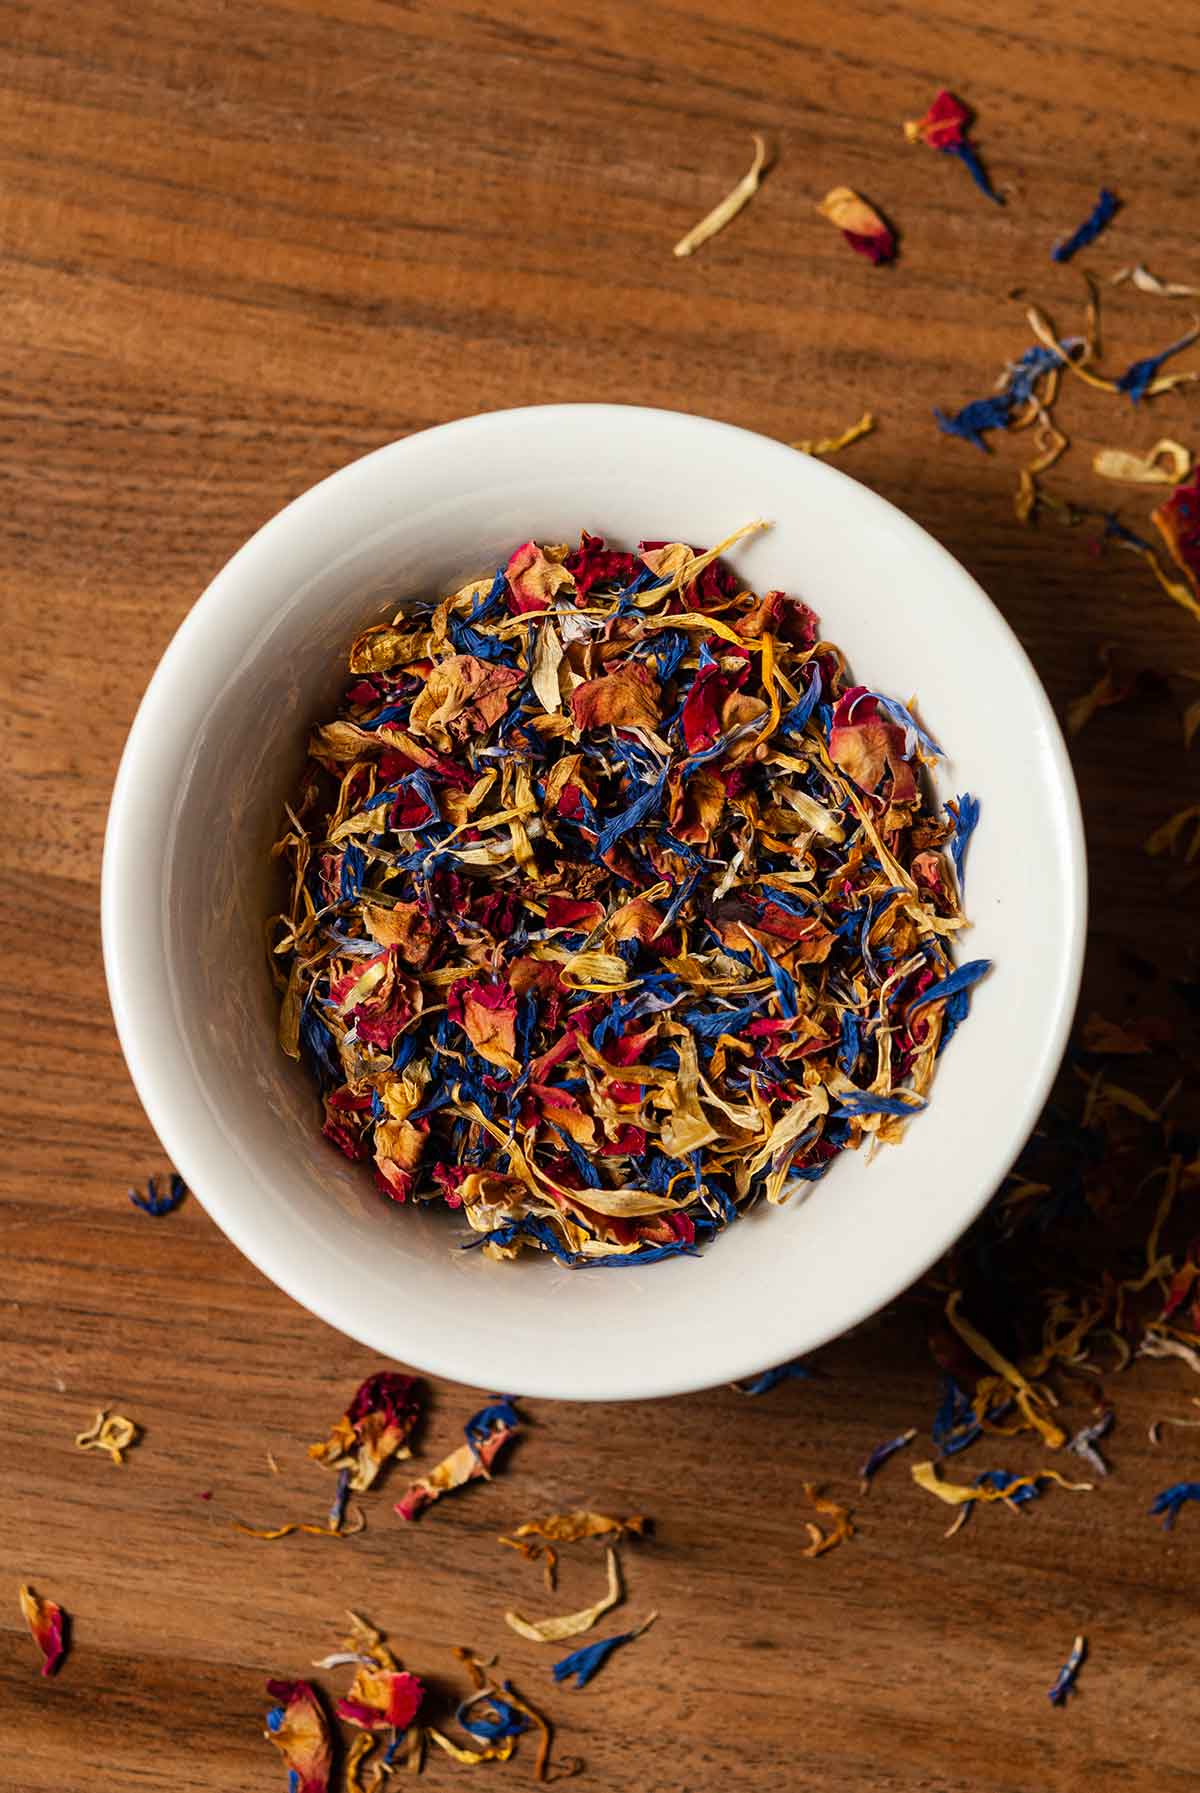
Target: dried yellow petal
column 831, row 444
column 1030, row 1400
column 471, row 1758
column 110, row 1432
column 843, row 1525
column 383, row 646
column 1051, row 445
column 1168, row 837
column 553, row 1630
column 1166, row 464
column 543, row 671
column 730, row 206
column 1146, row 282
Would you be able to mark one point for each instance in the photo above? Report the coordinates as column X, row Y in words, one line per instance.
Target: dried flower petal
column 569, row 1528
column 729, row 207
column 944, row 127
column 375, row 1427
column 1169, row 837
column 1177, row 520
column 1143, row 380
column 769, row 1379
column 270, row 1534
column 843, row 1525
column 299, row 1729
column 1163, row 465
column 826, row 445
column 1031, row 1401
column 992, row 1486
column 859, row 223
column 1167, row 1504
column 879, row 1456
column 156, row 1204
column 382, row 1698
column 470, row 1462
column 585, row 1663
column 1146, row 282
column 553, row 1630
column 1064, row 1681
column 1110, row 688
column 1084, row 1442
column 110, row 1432
column 1101, row 214
column 471, row 1758
column 47, row 1624
column 1098, row 1034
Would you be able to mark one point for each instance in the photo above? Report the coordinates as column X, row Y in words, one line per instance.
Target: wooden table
column 243, row 244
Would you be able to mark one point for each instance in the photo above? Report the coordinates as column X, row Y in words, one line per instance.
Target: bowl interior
column 188, row 883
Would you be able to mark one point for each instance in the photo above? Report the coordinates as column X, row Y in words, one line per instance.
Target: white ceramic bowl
column 217, row 744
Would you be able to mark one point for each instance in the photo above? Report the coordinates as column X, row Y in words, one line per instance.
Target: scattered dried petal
column 880, row 1455
column 47, row 1624
column 569, row 1528
column 859, row 223
column 157, row 1204
column 768, row 1379
column 299, row 1729
column 944, row 127
column 553, row 1630
column 826, row 445
column 375, row 1427
column 381, row 1699
column 1084, row 1442
column 110, row 1432
column 730, row 206
column 1064, row 1681
column 843, row 1525
column 1163, row 465
column 1167, row 1504
column 1004, row 1486
column 1032, row 1401
column 1146, row 282
column 1105, row 208
column 470, row 1462
column 585, row 1663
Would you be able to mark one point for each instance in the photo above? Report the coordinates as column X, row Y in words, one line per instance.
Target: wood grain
column 243, row 244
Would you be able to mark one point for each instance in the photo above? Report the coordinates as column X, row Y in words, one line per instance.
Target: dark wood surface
column 243, row 244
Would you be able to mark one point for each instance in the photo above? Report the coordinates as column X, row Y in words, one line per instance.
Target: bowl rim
column 130, row 918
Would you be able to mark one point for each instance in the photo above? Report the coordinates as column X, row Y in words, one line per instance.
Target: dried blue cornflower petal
column 880, row 1455
column 954, row 1424
column 155, row 1203
column 337, row 1510
column 1100, row 215
column 1168, row 1503
column 1064, row 1681
column 961, row 979
column 976, row 418
column 1115, row 530
column 1138, row 379
column 964, row 812
column 584, row 1664
column 768, row 1379
column 860, row 1102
